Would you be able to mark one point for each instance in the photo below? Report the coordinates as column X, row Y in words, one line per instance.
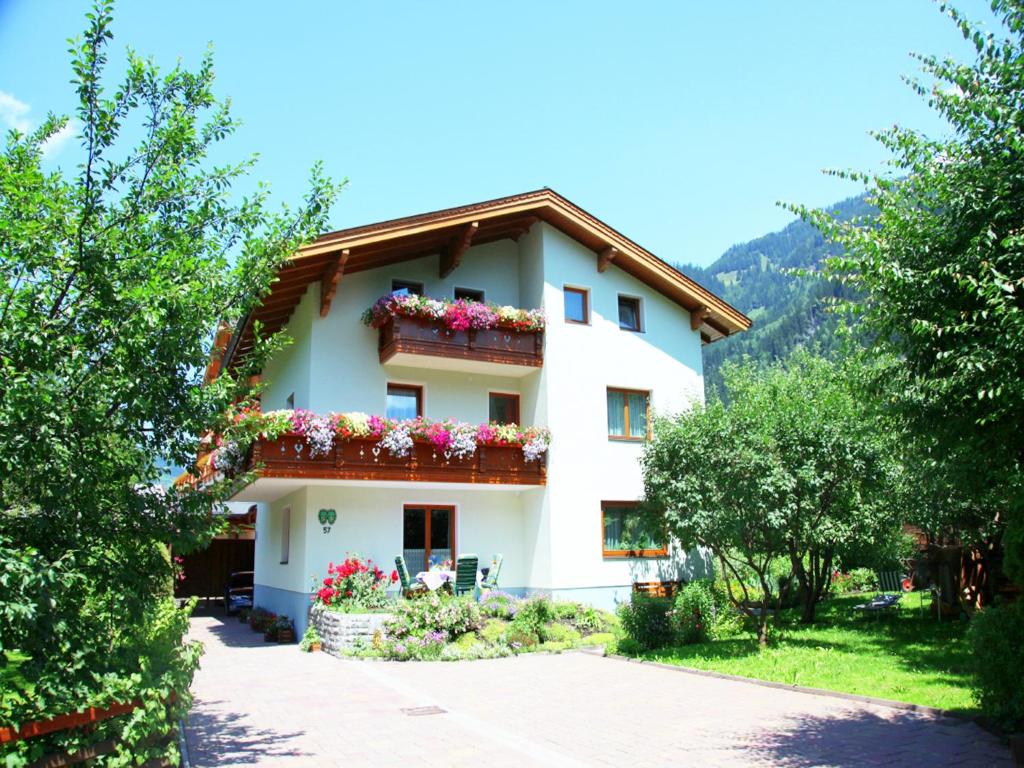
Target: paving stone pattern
column 270, row 705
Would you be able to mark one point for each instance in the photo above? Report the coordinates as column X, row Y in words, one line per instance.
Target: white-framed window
column 630, row 318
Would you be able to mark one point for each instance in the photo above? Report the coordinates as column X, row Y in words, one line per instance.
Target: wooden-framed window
column 405, row 401
column 286, row 534
column 629, row 313
column 577, row 305
column 627, row 533
column 469, row 294
column 629, row 414
column 411, row 286
column 503, row 407
column 428, row 533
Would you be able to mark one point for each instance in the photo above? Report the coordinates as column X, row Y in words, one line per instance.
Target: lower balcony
column 422, row 343
column 286, row 464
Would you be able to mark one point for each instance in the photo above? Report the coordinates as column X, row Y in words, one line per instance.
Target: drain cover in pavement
column 417, row 711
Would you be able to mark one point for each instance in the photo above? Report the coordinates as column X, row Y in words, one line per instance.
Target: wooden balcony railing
column 362, row 459
column 416, row 336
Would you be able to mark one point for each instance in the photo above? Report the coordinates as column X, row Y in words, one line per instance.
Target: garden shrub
column 560, row 633
column 499, row 605
column 494, row 631
column 694, row 614
column 452, row 616
column 533, row 615
column 646, row 622
column 352, row 586
column 519, row 637
column 598, row 638
column 855, row 580
column 996, row 636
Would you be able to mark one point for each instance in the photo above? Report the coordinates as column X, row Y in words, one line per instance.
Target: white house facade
column 622, row 341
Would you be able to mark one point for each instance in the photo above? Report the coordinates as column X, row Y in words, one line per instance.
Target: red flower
column 394, row 576
column 348, row 593
column 327, row 581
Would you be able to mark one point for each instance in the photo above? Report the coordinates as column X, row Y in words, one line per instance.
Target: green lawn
column 904, row 656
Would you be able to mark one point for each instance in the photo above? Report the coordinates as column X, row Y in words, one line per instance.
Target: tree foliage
column 941, row 270
column 792, row 467
column 113, row 279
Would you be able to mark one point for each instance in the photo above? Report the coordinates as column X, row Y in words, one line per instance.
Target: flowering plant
column 458, row 315
column 355, row 584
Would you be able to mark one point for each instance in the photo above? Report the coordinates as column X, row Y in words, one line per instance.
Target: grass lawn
column 905, row 656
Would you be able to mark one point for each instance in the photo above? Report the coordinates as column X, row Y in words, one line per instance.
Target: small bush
column 598, row 638
column 996, row 636
column 520, row 638
column 694, row 613
column 494, row 630
column 560, row 633
column 646, row 622
column 855, row 580
column 533, row 615
column 499, row 605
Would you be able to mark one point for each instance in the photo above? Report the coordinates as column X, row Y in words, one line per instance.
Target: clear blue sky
column 680, row 124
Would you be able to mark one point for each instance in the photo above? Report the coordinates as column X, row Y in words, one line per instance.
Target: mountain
column 759, row 278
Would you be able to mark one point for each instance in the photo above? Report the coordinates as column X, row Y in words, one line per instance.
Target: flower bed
column 354, row 586
column 453, row 439
column 459, row 315
column 440, row 627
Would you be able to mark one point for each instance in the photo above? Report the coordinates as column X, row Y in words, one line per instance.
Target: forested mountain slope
column 759, row 279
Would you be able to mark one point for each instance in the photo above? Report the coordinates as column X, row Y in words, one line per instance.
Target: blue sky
column 679, row 123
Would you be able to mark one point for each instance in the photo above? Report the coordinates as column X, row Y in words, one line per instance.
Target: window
column 406, row 286
column 629, row 313
column 576, row 306
column 503, row 408
column 627, row 414
column 286, row 534
column 428, row 535
column 627, row 533
column 405, row 401
column 469, row 294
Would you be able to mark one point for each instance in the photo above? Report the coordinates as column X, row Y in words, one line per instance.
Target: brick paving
column 269, row 705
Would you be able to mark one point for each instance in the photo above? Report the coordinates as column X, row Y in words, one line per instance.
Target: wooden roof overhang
column 450, row 233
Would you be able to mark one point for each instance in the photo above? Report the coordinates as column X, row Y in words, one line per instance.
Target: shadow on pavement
column 214, row 739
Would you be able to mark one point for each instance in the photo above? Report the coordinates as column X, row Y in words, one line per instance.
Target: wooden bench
column 656, row 588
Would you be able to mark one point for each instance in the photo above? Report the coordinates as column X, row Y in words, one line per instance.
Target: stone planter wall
column 339, row 631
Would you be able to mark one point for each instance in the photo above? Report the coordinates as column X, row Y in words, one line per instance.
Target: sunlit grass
column 903, row 656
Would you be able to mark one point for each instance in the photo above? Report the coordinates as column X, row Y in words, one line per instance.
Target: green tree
column 113, row 280
column 941, row 272
column 790, row 467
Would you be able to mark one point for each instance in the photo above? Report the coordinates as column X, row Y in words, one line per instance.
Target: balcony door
column 428, row 532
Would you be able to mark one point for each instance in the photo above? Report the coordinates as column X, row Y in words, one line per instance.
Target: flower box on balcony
column 404, row 336
column 364, row 459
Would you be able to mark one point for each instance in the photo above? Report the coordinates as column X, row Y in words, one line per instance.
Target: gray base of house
column 296, row 605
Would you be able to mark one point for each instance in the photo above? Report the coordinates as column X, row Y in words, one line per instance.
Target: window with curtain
column 627, row 533
column 404, row 401
column 629, row 313
column 627, row 414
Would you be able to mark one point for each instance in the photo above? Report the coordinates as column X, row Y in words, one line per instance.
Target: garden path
column 269, row 705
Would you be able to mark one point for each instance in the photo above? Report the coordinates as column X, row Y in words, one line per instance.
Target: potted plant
column 284, row 632
column 311, row 642
column 243, row 615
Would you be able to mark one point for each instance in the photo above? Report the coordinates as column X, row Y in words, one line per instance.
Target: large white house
column 622, row 340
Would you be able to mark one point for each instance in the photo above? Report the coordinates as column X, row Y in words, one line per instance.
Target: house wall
column 581, row 362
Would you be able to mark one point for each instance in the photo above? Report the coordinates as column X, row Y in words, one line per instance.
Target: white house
column 623, row 339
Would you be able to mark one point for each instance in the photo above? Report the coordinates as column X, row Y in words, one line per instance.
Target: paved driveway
column 270, row 705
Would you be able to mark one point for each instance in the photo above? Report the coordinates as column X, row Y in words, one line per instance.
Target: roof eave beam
column 329, row 281
column 697, row 317
column 451, row 256
column 605, row 257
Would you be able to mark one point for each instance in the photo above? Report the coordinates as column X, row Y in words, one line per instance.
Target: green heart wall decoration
column 327, row 518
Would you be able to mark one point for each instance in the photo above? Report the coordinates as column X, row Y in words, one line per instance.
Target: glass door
column 428, row 536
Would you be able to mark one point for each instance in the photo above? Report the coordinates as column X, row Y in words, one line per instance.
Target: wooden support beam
column 329, row 282
column 697, row 317
column 528, row 222
column 605, row 257
column 451, row 256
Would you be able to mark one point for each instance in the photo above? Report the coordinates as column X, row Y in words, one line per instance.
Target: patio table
column 436, row 579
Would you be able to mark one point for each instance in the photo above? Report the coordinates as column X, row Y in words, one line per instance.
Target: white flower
column 398, row 442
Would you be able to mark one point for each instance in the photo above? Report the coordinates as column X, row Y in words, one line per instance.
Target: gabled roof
column 450, row 232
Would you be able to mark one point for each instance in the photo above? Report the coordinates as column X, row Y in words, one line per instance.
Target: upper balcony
column 419, row 332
